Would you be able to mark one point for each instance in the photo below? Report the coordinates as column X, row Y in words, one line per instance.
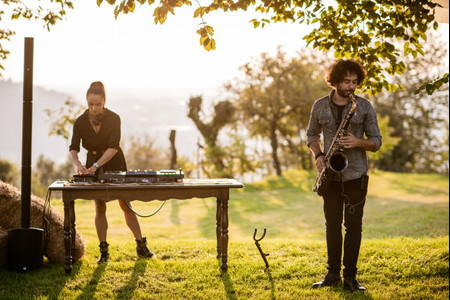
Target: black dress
column 97, row 143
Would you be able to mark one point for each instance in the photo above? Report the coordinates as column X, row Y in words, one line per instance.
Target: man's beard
column 343, row 93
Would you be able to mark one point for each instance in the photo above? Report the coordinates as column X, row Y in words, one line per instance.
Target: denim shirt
column 323, row 119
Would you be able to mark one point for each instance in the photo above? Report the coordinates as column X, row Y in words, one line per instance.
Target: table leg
column 219, row 228
column 73, row 231
column 67, row 231
column 224, row 228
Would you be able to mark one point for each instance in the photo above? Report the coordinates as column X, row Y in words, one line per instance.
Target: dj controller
column 161, row 176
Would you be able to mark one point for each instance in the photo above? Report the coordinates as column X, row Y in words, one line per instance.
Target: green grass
column 404, row 253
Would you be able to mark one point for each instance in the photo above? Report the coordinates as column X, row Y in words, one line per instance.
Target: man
column 344, row 199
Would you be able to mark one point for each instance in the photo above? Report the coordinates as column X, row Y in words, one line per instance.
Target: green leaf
column 430, row 88
column 406, row 47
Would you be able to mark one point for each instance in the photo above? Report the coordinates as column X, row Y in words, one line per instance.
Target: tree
column 274, row 97
column 417, row 118
column 16, row 9
column 389, row 141
column 45, row 169
column 223, row 115
column 142, row 153
column 8, row 172
column 62, row 119
column 362, row 29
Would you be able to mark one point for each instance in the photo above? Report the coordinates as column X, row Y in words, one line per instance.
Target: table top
column 61, row 185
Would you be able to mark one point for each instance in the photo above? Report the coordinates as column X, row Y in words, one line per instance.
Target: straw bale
column 10, row 218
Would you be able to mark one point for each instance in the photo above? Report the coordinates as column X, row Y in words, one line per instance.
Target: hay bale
column 10, row 218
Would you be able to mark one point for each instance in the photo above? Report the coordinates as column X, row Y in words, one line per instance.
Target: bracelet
column 95, row 165
column 319, row 155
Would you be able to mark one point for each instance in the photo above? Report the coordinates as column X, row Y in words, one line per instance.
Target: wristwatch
column 96, row 165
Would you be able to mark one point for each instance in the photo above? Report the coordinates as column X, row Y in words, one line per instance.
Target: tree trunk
column 274, row 144
column 173, row 157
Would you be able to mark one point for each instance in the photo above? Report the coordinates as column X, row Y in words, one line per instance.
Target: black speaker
column 25, row 249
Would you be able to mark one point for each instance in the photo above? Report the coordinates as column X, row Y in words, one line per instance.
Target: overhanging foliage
column 363, row 29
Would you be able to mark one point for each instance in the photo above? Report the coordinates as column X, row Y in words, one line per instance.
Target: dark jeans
column 350, row 207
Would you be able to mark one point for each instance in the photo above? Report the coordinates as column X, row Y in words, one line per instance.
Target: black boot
column 352, row 284
column 329, row 280
column 104, row 252
column 142, row 249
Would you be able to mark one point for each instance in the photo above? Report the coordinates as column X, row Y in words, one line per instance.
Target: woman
column 98, row 129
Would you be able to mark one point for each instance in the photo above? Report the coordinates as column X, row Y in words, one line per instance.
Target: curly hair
column 339, row 69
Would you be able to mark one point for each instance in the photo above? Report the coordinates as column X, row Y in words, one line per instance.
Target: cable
column 45, row 221
column 347, row 203
column 144, row 216
column 135, row 212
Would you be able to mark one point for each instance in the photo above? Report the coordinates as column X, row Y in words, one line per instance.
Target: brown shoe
column 352, row 284
column 142, row 249
column 104, row 252
column 329, row 280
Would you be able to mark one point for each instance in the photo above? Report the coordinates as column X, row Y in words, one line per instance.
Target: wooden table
column 187, row 189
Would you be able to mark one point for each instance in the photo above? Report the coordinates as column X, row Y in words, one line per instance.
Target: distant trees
column 46, row 171
column 141, row 152
column 8, row 172
column 274, row 96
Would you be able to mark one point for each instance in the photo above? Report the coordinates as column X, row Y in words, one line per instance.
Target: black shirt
column 97, row 143
column 340, row 109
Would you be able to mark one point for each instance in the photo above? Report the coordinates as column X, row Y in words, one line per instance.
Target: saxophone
column 335, row 159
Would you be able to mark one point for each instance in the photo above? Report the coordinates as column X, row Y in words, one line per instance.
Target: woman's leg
column 101, row 223
column 131, row 219
column 133, row 223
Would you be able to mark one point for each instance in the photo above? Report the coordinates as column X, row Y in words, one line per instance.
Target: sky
column 134, row 56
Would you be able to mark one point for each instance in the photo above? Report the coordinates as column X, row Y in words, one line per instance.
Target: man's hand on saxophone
column 350, row 141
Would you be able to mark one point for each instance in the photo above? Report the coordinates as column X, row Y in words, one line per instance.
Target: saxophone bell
column 338, row 162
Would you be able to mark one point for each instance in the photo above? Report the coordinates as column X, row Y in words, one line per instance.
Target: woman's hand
column 91, row 170
column 81, row 169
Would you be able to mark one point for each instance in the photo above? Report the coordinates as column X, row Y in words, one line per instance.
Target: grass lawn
column 404, row 253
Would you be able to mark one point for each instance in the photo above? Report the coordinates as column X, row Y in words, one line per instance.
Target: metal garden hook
column 266, row 270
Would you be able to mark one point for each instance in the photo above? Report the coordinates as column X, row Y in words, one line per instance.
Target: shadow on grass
column 228, row 285
column 126, row 292
column 91, row 285
column 231, row 293
column 174, row 214
column 272, row 287
column 47, row 281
